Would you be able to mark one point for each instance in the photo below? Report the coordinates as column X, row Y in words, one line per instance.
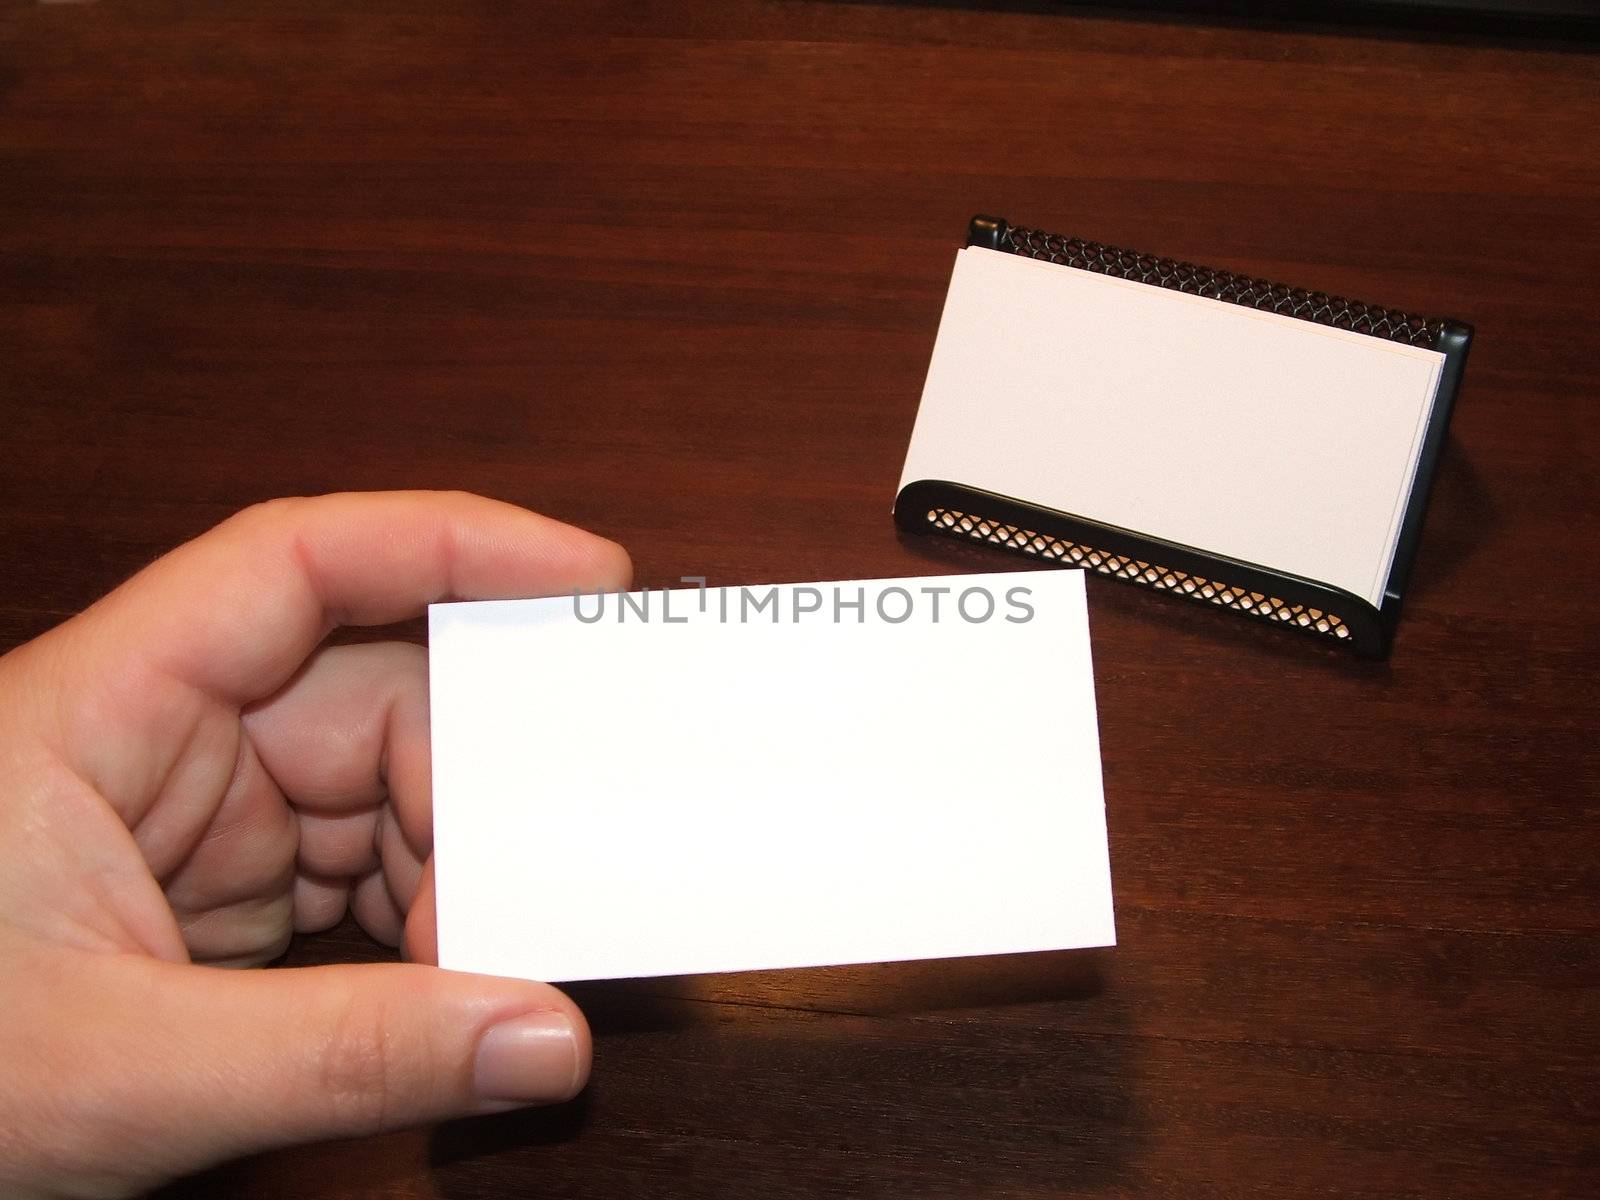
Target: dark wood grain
column 674, row 273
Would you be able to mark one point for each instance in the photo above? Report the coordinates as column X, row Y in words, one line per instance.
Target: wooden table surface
column 673, row 272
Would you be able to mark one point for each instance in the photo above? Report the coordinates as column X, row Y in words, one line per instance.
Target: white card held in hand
column 663, row 783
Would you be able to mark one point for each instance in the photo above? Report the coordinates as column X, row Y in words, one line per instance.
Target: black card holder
column 950, row 508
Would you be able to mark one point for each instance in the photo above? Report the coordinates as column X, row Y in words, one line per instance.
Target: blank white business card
column 1261, row 437
column 741, row 778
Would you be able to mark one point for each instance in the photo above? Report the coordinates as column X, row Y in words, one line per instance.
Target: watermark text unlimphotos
column 834, row 603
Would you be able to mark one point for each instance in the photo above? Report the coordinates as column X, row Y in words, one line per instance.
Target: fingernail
column 531, row 1059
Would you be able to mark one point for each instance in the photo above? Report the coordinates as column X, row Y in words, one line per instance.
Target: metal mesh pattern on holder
column 1261, row 294
column 953, row 523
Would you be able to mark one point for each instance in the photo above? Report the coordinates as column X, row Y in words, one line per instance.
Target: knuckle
column 358, row 1065
column 278, row 510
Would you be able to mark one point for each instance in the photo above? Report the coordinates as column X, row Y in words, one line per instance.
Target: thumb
column 192, row 1065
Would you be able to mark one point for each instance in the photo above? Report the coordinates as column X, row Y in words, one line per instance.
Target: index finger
column 237, row 610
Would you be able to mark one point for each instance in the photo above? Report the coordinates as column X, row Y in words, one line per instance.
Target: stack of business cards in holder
column 1243, row 443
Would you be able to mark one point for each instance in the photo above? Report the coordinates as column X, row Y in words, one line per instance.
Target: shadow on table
column 1526, row 24
column 878, row 989
column 967, row 1076
column 1461, row 516
column 1003, row 1074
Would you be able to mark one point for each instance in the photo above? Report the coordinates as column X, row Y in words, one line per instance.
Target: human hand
column 186, row 777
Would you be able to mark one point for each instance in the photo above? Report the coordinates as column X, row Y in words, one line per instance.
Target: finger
column 249, row 933
column 375, row 911
column 319, row 903
column 234, row 612
column 347, row 848
column 421, row 942
column 231, row 894
column 343, row 845
column 244, row 850
column 402, row 863
column 347, row 733
column 193, row 1065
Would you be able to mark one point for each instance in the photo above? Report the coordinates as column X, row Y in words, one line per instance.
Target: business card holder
column 951, row 508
